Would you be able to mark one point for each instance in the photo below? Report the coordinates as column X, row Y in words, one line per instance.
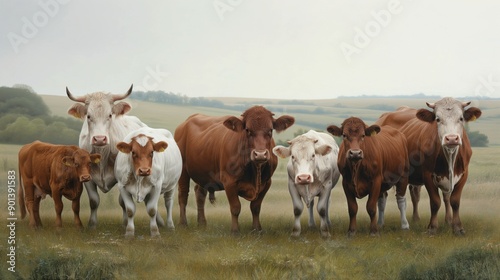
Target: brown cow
column 371, row 160
column 231, row 154
column 55, row 170
column 440, row 151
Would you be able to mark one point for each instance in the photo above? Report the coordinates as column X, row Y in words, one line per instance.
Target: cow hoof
column 460, row 232
column 129, row 235
column 374, row 234
column 325, row 235
column 351, row 233
column 432, row 231
column 295, row 234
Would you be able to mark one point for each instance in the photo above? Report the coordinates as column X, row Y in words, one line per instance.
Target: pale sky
column 267, row 49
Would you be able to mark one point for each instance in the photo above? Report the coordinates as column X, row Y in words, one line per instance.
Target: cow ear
column 472, row 114
column 426, row 115
column 283, row 122
column 68, row 161
column 323, row 150
column 372, row 130
column 95, row 158
column 160, row 146
column 124, row 147
column 281, row 151
column 78, row 111
column 121, row 108
column 334, row 130
column 234, row 124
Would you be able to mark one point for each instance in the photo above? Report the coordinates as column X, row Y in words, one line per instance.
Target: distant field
column 170, row 116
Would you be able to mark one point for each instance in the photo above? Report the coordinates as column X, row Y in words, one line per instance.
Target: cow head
column 98, row 111
column 257, row 124
column 353, row 131
column 303, row 152
column 81, row 161
column 450, row 116
column 142, row 149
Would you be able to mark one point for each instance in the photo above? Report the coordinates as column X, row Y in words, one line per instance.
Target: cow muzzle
column 144, row 171
column 304, row 179
column 355, row 154
column 452, row 140
column 99, row 140
column 260, row 156
column 85, row 178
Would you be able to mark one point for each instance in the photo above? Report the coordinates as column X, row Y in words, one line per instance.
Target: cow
column 231, row 154
column 104, row 125
column 371, row 160
column 312, row 172
column 439, row 152
column 149, row 164
column 56, row 170
column 398, row 119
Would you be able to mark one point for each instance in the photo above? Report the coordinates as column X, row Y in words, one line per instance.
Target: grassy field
column 213, row 253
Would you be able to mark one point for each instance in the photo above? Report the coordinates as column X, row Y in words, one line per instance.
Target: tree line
column 24, row 117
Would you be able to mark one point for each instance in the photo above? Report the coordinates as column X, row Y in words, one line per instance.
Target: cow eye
column 151, row 154
column 438, row 119
column 461, row 119
column 313, row 156
column 344, row 136
column 293, row 157
column 249, row 133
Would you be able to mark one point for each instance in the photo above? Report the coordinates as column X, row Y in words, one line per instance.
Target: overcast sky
column 284, row 49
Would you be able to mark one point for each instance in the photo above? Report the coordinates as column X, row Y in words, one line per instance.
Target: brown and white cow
column 55, row 170
column 149, row 164
column 232, row 154
column 439, row 152
column 104, row 125
column 371, row 160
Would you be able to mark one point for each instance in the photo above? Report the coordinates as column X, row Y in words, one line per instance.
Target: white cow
column 312, row 171
column 149, row 164
column 104, row 125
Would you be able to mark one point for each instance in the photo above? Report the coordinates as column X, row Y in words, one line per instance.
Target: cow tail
column 22, row 206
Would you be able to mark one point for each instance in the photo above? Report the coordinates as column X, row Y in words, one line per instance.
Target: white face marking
column 142, row 140
column 449, row 118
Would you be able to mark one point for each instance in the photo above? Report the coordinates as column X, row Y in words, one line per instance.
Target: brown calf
column 55, row 170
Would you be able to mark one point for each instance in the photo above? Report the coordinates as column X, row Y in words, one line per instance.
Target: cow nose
column 99, row 140
column 451, row 140
column 85, row 178
column 304, row 179
column 355, row 154
column 144, row 171
column 260, row 156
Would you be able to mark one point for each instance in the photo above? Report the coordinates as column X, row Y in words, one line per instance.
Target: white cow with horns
column 149, row 164
column 104, row 125
column 312, row 171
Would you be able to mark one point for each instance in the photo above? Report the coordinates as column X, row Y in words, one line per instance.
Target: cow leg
column 169, row 204
column 415, row 198
column 59, row 207
column 130, row 209
column 234, row 206
column 255, row 207
column 36, row 211
column 382, row 201
column 352, row 206
column 75, row 206
column 447, row 207
column 298, row 207
column 29, row 199
column 401, row 187
column 435, row 203
column 201, row 197
column 183, row 188
column 455, row 205
column 371, row 205
column 324, row 197
column 94, row 201
column 151, row 202
column 124, row 210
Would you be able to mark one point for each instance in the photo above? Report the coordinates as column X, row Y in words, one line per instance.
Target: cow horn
column 76, row 99
column 122, row 96
column 431, row 105
column 465, row 104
